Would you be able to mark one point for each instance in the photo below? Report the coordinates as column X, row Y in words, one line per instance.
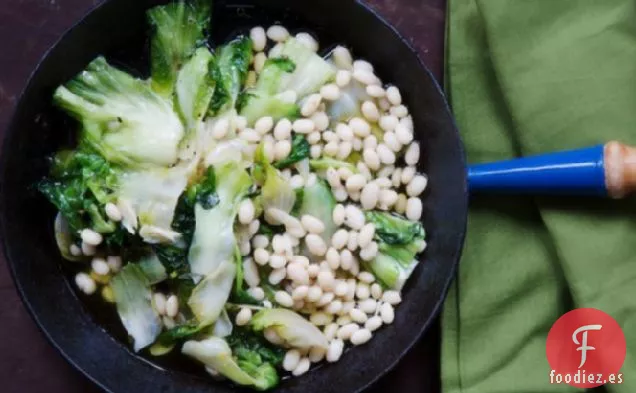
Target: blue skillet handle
column 602, row 170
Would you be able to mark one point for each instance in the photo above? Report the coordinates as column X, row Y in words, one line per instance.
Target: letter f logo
column 584, row 347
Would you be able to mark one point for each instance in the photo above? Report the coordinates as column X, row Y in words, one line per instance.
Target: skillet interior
column 88, row 334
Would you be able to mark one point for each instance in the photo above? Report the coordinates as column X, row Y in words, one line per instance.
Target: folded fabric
column 526, row 77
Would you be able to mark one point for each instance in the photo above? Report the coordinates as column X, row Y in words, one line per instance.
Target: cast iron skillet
column 90, row 337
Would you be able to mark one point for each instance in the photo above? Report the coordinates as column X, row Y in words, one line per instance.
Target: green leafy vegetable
column 392, row 229
column 131, row 290
column 229, row 72
column 179, row 28
column 122, row 118
column 64, row 238
column 195, row 88
column 80, row 184
column 318, row 201
column 245, row 370
column 300, row 151
column 291, row 327
column 399, row 242
column 270, row 77
column 276, row 192
column 152, row 268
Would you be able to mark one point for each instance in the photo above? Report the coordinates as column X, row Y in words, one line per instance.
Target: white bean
column 357, row 145
column 85, row 283
column 386, row 155
column 243, row 317
column 375, row 91
column 112, row 211
column 412, row 155
column 399, row 111
column 264, row 125
column 312, row 224
column 341, row 288
column 291, row 360
column 338, row 214
column 342, row 58
column 388, row 197
column 346, row 259
column 325, row 299
column 340, row 238
column 159, row 302
column 100, row 266
column 261, row 256
column 300, row 292
column 311, row 105
column 344, row 132
column 358, row 315
column 277, row 33
column 315, row 244
column 369, row 252
column 343, row 78
column 284, row 299
column 172, row 306
column 407, row 122
column 257, row 293
column 303, row 367
column 315, row 292
column 333, row 258
column 352, row 244
column 331, row 149
column 277, row 261
column 354, row 217
column 91, row 237
column 360, row 127
column 259, row 39
column 335, row 350
column 393, row 95
column 259, row 62
column 369, row 196
column 362, row 65
column 250, row 272
column 371, row 158
column 370, row 142
column 250, row 135
column 277, row 275
column 246, row 212
column 307, row 40
column 282, row 150
column 283, row 129
column 330, row 331
column 321, row 120
column 407, row 174
column 417, row 186
column 326, row 280
column 361, row 336
column 75, row 250
column 345, row 173
column 340, row 194
column 330, row 92
column 370, row 111
column 373, row 323
column 315, row 151
column 356, row 183
column 303, row 126
column 414, row 209
column 344, row 150
column 368, row 305
column 376, row 291
column 334, row 307
column 345, row 332
column 365, row 77
column 387, row 313
column 392, row 297
column 366, row 235
column 392, row 142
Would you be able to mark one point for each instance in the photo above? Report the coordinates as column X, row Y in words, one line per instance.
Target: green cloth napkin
column 526, row 77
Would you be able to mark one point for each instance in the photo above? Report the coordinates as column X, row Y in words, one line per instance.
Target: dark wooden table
column 28, row 27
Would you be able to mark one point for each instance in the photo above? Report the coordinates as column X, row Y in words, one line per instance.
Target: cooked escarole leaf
column 318, row 201
column 324, row 163
column 263, row 99
column 276, row 192
column 210, row 295
column 295, row 330
column 392, row 229
column 245, row 370
column 179, row 28
column 131, row 290
column 81, row 182
column 311, row 71
column 64, row 238
column 195, row 88
column 122, row 118
column 229, row 72
column 300, row 151
column 399, row 242
column 213, row 241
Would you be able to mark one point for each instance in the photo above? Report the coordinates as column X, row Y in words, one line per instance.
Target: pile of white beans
column 334, row 293
column 331, row 289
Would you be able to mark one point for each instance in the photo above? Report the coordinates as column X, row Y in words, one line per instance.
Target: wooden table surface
column 28, row 27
